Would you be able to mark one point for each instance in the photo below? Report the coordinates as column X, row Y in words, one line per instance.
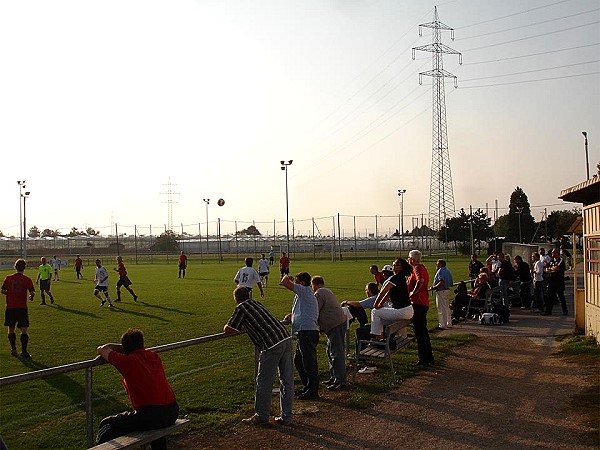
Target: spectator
column 538, row 280
column 247, row 276
column 15, row 288
column 379, row 276
column 304, row 317
column 442, row 282
column 153, row 400
column 332, row 321
column 524, row 274
column 566, row 255
column 274, row 345
column 505, row 274
column 357, row 308
column 44, row 277
column 284, row 264
column 392, row 302
column 477, row 296
column 418, row 283
column 556, row 284
column 475, row 267
column 182, row 264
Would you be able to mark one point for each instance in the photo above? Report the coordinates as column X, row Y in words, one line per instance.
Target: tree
column 250, row 231
column 91, row 232
column 458, row 230
column 167, row 241
column 34, row 232
column 558, row 222
column 1, row 234
column 521, row 224
column 50, row 233
column 501, row 226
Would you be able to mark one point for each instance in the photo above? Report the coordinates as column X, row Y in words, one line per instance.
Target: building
column 587, row 300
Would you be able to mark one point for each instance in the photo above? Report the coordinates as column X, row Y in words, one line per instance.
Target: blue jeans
column 277, row 357
column 306, row 360
column 336, row 353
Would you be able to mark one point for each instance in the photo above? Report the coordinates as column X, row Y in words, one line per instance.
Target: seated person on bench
column 392, row 303
column 357, row 308
column 144, row 379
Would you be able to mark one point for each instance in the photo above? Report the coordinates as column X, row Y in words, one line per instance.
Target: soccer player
column 123, row 280
column 284, row 264
column 15, row 288
column 78, row 267
column 182, row 264
column 153, row 400
column 247, row 276
column 44, row 277
column 263, row 269
column 56, row 267
column 101, row 281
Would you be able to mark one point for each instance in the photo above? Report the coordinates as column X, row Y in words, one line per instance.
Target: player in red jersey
column 123, row 280
column 15, row 288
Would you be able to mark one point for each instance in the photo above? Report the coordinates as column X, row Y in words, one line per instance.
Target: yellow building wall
column 591, row 234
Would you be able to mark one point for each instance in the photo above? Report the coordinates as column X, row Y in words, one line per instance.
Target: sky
column 133, row 112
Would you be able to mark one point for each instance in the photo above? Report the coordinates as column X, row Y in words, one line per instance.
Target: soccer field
column 213, row 382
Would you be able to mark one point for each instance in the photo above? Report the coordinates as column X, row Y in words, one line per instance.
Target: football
column 221, row 202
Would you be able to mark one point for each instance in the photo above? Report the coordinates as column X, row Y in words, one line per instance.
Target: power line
column 531, row 54
column 528, row 25
column 531, row 81
column 513, row 14
column 534, row 70
column 532, row 37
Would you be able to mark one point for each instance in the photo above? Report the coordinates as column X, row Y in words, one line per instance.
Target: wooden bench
column 370, row 350
column 139, row 438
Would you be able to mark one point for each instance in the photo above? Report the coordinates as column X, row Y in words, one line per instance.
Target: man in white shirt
column 102, row 284
column 263, row 270
column 538, row 280
column 248, row 276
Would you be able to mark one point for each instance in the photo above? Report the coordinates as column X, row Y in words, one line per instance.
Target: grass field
column 213, row 382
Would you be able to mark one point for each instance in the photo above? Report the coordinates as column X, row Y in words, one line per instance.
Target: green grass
column 213, row 383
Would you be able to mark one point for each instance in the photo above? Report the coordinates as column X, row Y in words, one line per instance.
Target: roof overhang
column 587, row 192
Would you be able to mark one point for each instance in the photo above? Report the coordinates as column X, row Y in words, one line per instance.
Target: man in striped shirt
column 274, row 344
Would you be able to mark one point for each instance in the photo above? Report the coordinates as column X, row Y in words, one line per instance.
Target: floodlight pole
column 25, row 196
column 284, row 167
column 519, row 211
column 401, row 193
column 587, row 160
column 207, row 201
column 21, row 187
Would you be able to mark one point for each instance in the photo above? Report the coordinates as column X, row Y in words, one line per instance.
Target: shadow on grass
column 73, row 311
column 140, row 314
column 164, row 308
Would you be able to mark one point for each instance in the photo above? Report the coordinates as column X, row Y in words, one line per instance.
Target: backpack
column 503, row 312
column 490, row 319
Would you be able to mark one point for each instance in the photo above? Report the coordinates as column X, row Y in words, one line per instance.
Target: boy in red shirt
column 15, row 288
column 123, row 280
column 147, row 387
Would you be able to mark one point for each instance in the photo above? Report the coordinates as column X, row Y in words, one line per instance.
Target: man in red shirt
column 418, row 283
column 78, row 266
column 284, row 264
column 182, row 264
column 15, row 288
column 147, row 387
column 123, row 280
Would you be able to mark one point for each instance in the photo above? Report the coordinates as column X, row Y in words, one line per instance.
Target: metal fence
column 87, row 366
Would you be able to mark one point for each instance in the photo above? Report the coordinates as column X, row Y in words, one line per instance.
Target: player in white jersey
column 248, row 276
column 102, row 284
column 263, row 270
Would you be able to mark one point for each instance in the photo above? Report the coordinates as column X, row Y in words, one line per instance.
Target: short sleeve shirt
column 17, row 285
column 330, row 310
column 264, row 330
column 101, row 274
column 305, row 311
column 247, row 276
column 443, row 273
column 421, row 297
column 45, row 271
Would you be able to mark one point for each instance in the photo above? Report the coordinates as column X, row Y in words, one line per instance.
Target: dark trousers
column 538, row 290
column 525, row 293
column 305, row 360
column 422, row 333
column 145, row 418
column 556, row 290
column 359, row 314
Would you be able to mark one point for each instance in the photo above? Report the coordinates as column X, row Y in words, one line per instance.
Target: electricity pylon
column 441, row 196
